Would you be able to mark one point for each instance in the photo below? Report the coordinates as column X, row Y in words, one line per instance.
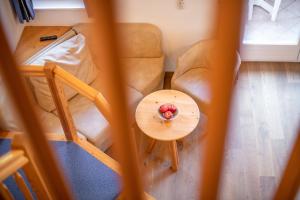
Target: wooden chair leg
column 22, row 186
column 275, row 10
column 250, row 9
column 174, row 152
column 5, row 193
column 151, row 146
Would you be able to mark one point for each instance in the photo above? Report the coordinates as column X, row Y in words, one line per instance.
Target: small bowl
column 163, row 118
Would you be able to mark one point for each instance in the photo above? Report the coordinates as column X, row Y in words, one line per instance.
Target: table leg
column 151, row 146
column 180, row 140
column 174, row 152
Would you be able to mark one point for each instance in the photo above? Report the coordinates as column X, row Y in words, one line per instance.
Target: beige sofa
column 144, row 64
column 142, row 55
column 191, row 74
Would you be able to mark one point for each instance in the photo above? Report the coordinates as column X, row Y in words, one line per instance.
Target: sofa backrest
column 140, row 40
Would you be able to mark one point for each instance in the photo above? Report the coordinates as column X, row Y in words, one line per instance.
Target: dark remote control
column 50, row 37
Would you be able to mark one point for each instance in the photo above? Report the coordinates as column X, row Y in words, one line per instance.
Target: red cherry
column 163, row 108
column 168, row 115
column 172, row 108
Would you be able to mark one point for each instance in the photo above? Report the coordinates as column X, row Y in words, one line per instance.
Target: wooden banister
column 82, row 88
column 92, row 94
column 33, row 71
column 75, row 83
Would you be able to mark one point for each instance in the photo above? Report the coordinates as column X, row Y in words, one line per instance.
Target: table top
column 149, row 121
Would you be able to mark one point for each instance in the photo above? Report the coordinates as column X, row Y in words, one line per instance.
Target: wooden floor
column 265, row 115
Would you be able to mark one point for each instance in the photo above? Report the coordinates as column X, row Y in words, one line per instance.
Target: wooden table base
column 151, row 146
column 173, row 149
column 174, row 152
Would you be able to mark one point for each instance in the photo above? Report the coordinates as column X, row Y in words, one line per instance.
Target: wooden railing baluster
column 290, row 180
column 222, row 68
column 104, row 37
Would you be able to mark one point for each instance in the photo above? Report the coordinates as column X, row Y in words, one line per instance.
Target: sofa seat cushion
column 73, row 56
column 91, row 123
column 195, row 83
column 144, row 74
column 50, row 122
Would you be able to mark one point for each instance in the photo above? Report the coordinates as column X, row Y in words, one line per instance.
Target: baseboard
column 274, row 53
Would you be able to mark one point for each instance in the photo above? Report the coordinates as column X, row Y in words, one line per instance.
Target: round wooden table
column 149, row 121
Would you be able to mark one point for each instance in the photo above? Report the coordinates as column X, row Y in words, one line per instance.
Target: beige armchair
column 191, row 74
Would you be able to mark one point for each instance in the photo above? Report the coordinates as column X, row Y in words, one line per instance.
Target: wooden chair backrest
column 20, row 158
column 10, row 163
column 228, row 27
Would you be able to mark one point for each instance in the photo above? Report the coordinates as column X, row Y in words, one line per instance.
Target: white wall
column 58, row 13
column 180, row 28
column 10, row 23
column 58, row 17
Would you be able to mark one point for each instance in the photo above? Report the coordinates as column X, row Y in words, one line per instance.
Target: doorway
column 270, row 34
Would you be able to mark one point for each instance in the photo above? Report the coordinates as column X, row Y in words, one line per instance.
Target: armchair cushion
column 195, row 83
column 144, row 74
column 191, row 74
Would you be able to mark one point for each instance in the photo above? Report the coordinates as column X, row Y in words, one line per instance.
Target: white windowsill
column 57, row 4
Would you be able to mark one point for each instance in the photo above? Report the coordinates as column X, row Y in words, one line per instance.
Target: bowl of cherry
column 167, row 111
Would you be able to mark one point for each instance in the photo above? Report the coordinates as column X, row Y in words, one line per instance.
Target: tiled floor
column 285, row 30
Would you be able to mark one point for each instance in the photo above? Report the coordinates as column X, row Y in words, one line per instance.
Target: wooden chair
column 17, row 167
column 73, row 152
column 273, row 10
